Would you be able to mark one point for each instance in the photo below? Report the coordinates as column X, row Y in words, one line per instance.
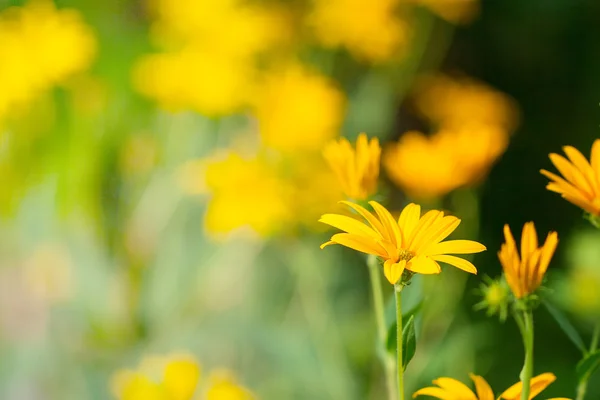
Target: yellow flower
column 356, row 169
column 428, row 167
column 298, row 110
column 524, row 274
column 413, row 242
column 41, row 47
column 449, row 388
column 159, row 378
column 372, row 32
column 581, row 183
column 223, row 386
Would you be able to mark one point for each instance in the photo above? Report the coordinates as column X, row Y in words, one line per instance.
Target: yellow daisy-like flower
column 356, row 169
column 581, row 183
column 449, row 388
column 413, row 242
column 524, row 274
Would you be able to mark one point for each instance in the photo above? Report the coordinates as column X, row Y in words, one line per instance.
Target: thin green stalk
column 527, row 372
column 398, row 292
column 378, row 305
column 582, row 386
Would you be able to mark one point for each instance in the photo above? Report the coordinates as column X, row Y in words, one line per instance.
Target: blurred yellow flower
column 524, row 274
column 173, row 377
column 357, row 169
column 298, row 110
column 449, row 388
column 370, row 31
column 223, row 386
column 41, row 47
column 429, row 167
column 581, row 183
column 413, row 242
column 455, row 103
column 455, row 11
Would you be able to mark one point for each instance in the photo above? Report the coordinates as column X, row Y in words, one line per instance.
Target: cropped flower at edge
column 449, row 388
column 580, row 181
column 524, row 273
column 413, row 242
column 357, row 169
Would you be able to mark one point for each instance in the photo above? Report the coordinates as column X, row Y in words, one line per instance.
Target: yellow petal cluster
column 412, row 242
column 357, row 169
column 41, row 46
column 580, row 181
column 372, row 32
column 524, row 273
column 430, row 166
column 449, row 388
column 298, row 109
column 175, row 377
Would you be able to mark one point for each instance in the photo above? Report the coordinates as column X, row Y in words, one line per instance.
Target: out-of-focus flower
column 48, row 272
column 41, row 47
column 428, row 167
column 298, row 110
column 373, row 32
column 580, row 181
column 413, row 242
column 456, row 103
column 162, row 378
column 495, row 299
column 357, row 169
column 223, row 386
column 455, row 11
column 524, row 273
column 449, row 388
column 581, row 291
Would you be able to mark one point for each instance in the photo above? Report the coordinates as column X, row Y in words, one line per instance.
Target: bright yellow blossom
column 223, row 386
column 370, row 31
column 449, row 388
column 524, row 273
column 41, row 47
column 298, row 110
column 580, row 181
column 428, row 167
column 357, row 169
column 413, row 242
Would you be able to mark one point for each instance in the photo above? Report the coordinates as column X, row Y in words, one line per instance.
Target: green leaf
column 588, row 365
column 391, row 336
column 409, row 342
column 566, row 326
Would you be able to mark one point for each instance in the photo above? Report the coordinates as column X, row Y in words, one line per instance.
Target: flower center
column 405, row 255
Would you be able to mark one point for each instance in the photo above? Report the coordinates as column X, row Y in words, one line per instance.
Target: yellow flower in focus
column 41, row 47
column 223, row 386
column 524, row 273
column 449, row 388
column 246, row 193
column 455, row 11
column 455, row 103
column 170, row 378
column 370, row 31
column 357, row 169
column 428, row 167
column 298, row 110
column 414, row 242
column 580, row 181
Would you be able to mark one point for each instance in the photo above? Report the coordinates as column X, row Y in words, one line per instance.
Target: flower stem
column 378, row 305
column 398, row 292
column 527, row 371
column 582, row 386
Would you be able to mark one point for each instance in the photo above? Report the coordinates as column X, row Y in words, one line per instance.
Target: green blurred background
column 105, row 257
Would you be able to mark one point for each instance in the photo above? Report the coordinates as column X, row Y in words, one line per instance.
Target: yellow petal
column 436, row 233
column 434, row 392
column 582, row 164
column 458, row 262
column 348, row 225
column 537, row 385
column 375, row 224
column 529, row 242
column 595, row 159
column 455, row 247
column 388, row 222
column 329, row 243
column 423, row 265
column 571, row 173
column 393, row 271
column 561, row 185
column 457, row 388
column 483, row 389
column 409, row 217
column 359, row 243
column 423, row 225
column 546, row 254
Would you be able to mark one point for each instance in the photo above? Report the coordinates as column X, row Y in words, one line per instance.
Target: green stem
column 400, row 366
column 378, row 305
column 582, row 386
column 527, row 371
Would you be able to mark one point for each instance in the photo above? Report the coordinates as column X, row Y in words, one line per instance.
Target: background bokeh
column 161, row 177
